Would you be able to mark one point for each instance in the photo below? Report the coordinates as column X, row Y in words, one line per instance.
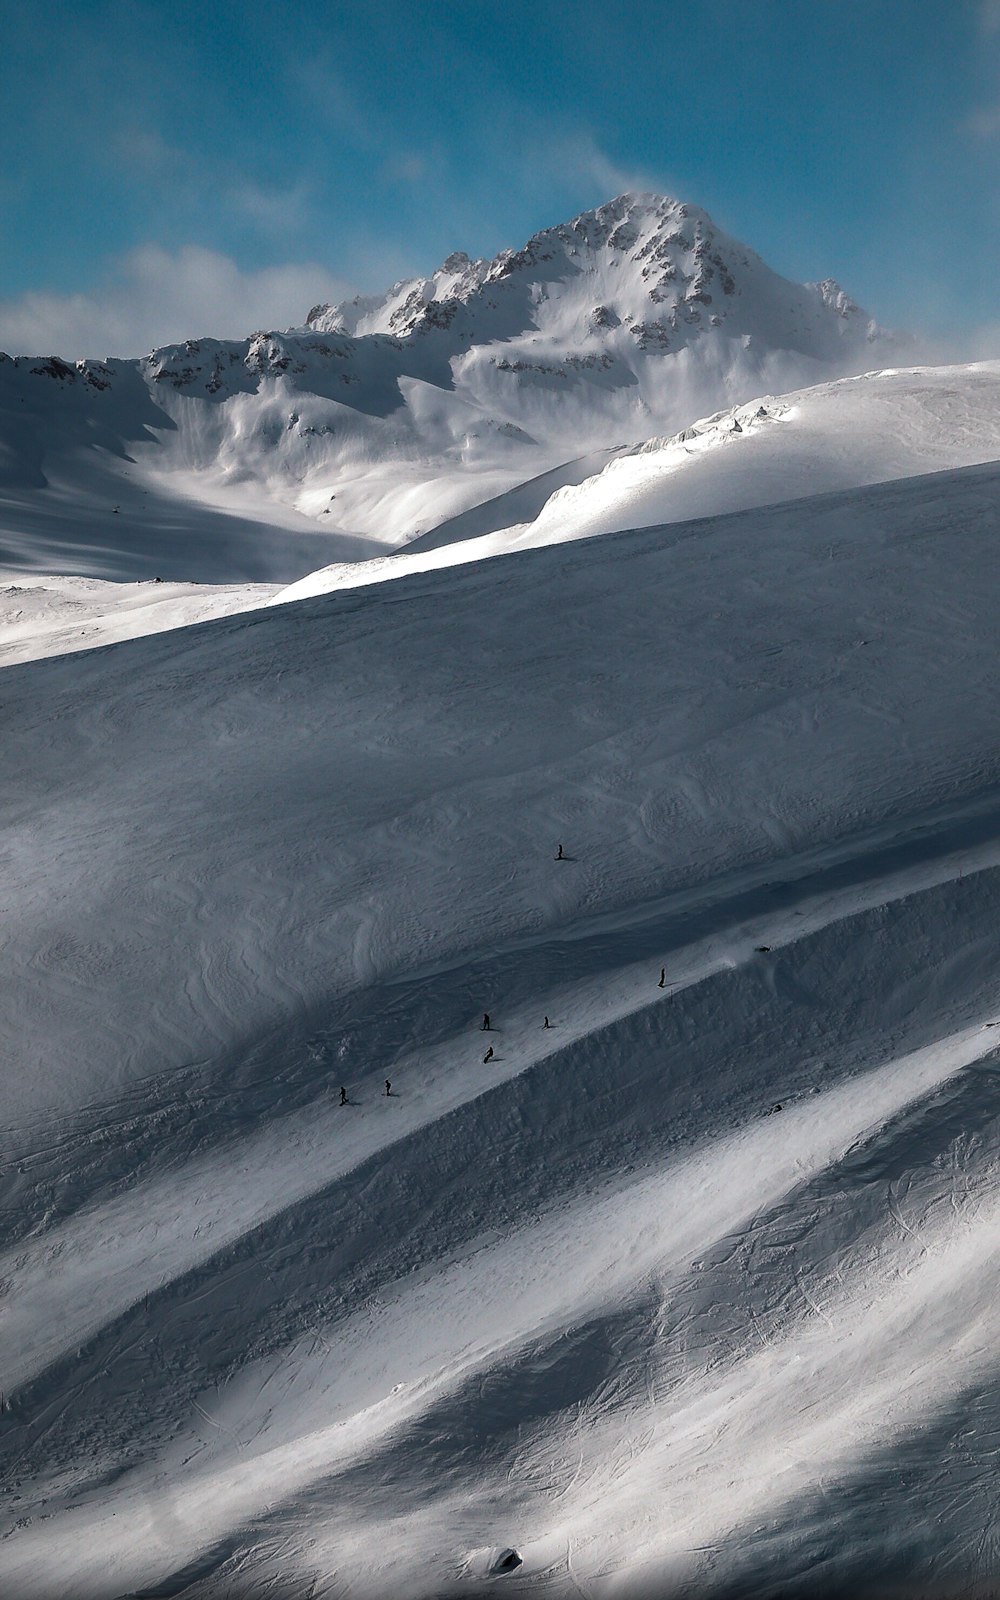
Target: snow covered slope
column 836, row 436
column 42, row 617
column 378, row 421
column 82, row 490
column 693, row 1290
column 871, row 429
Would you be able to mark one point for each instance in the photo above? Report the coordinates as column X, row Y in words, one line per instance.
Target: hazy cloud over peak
column 153, row 296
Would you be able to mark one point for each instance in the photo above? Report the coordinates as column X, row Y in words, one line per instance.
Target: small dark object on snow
column 157, row 580
column 506, row 1561
column 546, row 1023
column 486, row 1022
column 763, row 949
column 388, row 1087
column 488, row 1056
column 663, row 978
column 776, row 1107
column 343, row 1097
column 559, row 854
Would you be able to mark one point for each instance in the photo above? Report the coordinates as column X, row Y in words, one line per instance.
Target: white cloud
column 272, row 211
column 582, row 156
column 154, row 296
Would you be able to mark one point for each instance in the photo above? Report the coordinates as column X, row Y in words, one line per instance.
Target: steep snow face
column 381, row 418
column 97, row 479
column 630, row 318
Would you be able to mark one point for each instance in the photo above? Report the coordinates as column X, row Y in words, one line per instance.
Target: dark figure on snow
column 559, row 854
column 486, row 1022
column 388, row 1087
column 663, row 978
column 488, row 1056
column 343, row 1097
column 546, row 1023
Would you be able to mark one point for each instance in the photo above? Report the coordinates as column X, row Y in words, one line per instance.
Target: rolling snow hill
column 879, row 427
column 842, row 435
column 693, row 1291
column 375, row 422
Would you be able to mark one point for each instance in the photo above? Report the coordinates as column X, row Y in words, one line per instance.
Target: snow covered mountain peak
column 652, row 270
column 635, row 228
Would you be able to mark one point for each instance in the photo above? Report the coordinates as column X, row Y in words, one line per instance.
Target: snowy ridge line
column 665, row 1218
column 64, row 1284
column 860, row 432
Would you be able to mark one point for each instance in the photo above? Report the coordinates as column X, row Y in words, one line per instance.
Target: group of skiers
column 487, row 1026
column 343, row 1093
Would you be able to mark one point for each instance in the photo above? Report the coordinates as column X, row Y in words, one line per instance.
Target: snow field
column 42, row 617
column 81, row 1273
column 408, row 808
column 594, row 1299
column 348, row 1388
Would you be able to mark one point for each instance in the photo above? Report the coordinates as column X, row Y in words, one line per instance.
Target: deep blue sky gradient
column 857, row 139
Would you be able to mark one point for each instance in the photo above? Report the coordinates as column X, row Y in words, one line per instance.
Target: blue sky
column 182, row 168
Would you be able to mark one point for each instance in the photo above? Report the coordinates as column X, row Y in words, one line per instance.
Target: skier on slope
column 559, row 854
column 486, row 1022
column 343, row 1095
column 663, row 978
column 388, row 1087
column 488, row 1056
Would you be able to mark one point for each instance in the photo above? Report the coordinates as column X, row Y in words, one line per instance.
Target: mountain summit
column 643, row 272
